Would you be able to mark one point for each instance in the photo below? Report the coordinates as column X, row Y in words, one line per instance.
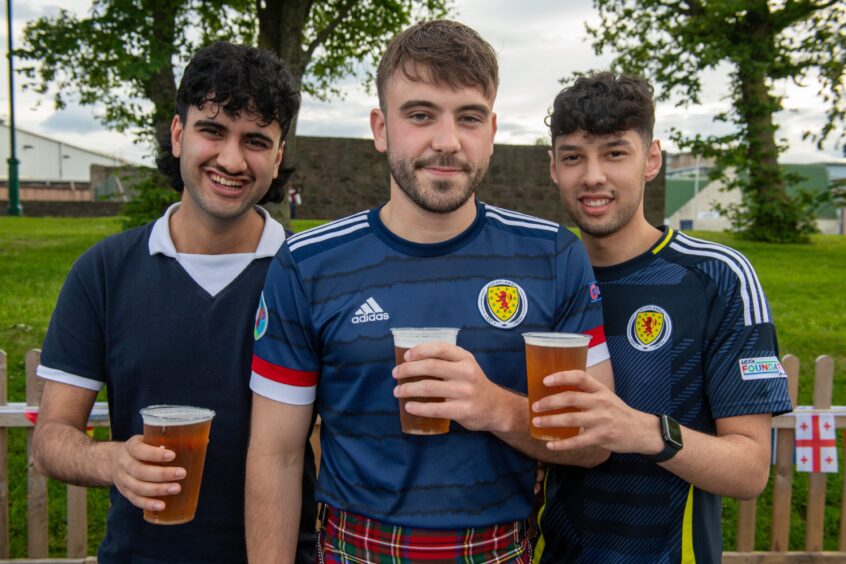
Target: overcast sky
column 538, row 42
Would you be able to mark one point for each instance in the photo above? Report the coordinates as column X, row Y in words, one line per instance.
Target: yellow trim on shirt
column 663, row 243
column 688, row 556
column 541, row 544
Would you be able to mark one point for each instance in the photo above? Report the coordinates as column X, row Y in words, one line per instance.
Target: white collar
column 272, row 236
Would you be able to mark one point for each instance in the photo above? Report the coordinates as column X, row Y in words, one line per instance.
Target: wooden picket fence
column 20, row 415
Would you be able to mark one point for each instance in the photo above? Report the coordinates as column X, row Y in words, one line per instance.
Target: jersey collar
column 426, row 250
column 617, row 270
column 160, row 241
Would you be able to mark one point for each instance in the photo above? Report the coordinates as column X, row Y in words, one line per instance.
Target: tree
column 765, row 43
column 124, row 56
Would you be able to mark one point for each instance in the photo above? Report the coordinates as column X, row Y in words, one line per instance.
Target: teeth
column 225, row 182
column 596, row 203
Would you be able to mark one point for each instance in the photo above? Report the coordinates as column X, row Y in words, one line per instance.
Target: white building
column 43, row 159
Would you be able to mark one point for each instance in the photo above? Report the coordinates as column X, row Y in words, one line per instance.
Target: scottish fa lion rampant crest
column 503, row 303
column 649, row 328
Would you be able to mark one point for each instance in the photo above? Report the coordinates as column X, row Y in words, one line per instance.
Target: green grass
column 804, row 285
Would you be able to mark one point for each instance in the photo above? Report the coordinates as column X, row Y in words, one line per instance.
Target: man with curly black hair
column 163, row 314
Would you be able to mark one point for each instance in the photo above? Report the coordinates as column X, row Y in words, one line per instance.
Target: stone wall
column 340, row 176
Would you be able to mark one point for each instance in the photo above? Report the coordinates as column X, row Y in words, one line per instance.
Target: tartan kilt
column 347, row 538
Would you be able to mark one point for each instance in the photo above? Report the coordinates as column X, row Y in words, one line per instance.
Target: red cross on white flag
column 816, row 448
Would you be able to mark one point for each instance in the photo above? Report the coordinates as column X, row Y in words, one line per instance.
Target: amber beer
column 547, row 353
column 404, row 339
column 185, row 431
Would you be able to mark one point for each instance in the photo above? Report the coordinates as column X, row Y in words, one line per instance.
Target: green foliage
column 121, row 57
column 765, row 44
column 152, row 196
column 352, row 35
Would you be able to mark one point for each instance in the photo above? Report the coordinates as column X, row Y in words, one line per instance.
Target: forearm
column 273, row 502
column 731, row 465
column 66, row 453
column 513, row 429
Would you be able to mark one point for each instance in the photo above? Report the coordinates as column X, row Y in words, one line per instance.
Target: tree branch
column 340, row 16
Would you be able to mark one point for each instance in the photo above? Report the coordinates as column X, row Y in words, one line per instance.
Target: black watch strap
column 671, row 434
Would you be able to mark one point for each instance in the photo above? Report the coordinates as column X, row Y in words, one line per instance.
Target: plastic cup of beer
column 547, row 353
column 185, row 431
column 404, row 339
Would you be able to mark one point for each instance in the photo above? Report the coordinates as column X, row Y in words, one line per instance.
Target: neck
column 632, row 240
column 407, row 220
column 202, row 235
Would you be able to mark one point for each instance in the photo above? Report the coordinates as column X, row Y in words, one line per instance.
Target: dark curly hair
column 237, row 78
column 604, row 104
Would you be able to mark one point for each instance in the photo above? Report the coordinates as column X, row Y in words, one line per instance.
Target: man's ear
column 176, row 129
column 653, row 160
column 379, row 129
column 278, row 160
column 493, row 131
column 553, row 174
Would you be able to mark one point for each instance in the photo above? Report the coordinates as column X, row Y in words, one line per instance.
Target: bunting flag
column 32, row 416
column 816, row 448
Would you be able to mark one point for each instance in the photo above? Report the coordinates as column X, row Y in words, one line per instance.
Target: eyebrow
column 250, row 135
column 480, row 108
column 607, row 145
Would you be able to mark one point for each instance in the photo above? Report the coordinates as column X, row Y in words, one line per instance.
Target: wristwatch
column 671, row 433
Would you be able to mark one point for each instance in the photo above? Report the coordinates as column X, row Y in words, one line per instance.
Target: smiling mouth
column 595, row 202
column 225, row 182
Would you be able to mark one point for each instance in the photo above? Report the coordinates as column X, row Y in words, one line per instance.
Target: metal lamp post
column 14, row 184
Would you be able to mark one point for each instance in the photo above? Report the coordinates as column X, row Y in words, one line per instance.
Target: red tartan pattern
column 347, row 538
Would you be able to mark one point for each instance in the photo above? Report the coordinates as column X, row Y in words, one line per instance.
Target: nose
column 231, row 157
column 593, row 175
column 445, row 138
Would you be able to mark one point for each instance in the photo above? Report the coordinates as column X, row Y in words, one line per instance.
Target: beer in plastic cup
column 185, row 431
column 404, row 339
column 547, row 353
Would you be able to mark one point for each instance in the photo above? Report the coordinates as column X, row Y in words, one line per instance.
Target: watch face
column 674, row 434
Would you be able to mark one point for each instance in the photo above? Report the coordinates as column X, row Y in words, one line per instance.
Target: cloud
column 72, row 119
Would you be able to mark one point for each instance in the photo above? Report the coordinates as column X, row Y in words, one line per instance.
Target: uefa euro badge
column 261, row 319
column 503, row 303
column 649, row 328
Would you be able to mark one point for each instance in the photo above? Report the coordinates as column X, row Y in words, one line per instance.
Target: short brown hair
column 440, row 52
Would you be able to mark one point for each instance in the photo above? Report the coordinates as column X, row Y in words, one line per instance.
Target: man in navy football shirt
column 432, row 256
column 163, row 314
column 687, row 324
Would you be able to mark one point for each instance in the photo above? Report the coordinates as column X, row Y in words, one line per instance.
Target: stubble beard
column 442, row 196
column 602, row 227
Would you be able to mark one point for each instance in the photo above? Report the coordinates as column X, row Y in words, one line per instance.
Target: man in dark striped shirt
column 689, row 331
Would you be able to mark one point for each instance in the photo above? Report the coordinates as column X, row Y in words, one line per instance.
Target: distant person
column 692, row 344
column 295, row 199
column 431, row 256
column 163, row 314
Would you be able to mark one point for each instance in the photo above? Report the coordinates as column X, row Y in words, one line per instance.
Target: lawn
column 804, row 284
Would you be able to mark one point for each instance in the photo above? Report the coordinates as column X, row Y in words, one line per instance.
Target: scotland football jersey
column 687, row 323
column 323, row 330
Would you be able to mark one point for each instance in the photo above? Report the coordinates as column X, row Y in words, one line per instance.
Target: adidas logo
column 370, row 311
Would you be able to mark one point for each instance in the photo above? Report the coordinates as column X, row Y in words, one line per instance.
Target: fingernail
column 173, row 489
column 169, row 455
column 158, row 506
column 536, row 406
column 394, row 371
column 536, row 421
column 179, row 474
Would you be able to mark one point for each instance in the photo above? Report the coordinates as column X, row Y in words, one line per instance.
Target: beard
column 437, row 196
column 604, row 226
